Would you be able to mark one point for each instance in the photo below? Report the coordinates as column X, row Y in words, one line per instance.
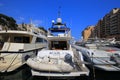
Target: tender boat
column 100, row 56
column 59, row 59
column 17, row 46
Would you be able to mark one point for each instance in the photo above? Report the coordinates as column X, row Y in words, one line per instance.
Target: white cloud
column 20, row 19
column 37, row 22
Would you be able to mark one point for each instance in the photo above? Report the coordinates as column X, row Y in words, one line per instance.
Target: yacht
column 17, row 46
column 59, row 59
column 100, row 56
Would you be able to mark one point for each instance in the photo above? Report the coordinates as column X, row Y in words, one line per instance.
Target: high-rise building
column 98, row 30
column 109, row 26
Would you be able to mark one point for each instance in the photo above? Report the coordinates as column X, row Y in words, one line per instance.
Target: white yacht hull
column 63, row 70
column 13, row 61
column 59, row 59
column 59, row 75
column 16, row 55
column 17, row 46
column 107, row 67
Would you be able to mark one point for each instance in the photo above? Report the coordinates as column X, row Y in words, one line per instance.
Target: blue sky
column 77, row 14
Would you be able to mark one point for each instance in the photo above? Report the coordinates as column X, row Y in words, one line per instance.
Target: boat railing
column 9, row 46
column 20, row 51
column 60, row 35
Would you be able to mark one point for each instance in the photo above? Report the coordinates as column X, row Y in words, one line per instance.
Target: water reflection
column 20, row 74
column 24, row 73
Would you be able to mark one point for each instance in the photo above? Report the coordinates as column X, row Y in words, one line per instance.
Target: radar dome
column 59, row 20
column 53, row 21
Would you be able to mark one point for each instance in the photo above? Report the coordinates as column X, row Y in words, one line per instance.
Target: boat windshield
column 14, row 38
column 21, row 39
column 59, row 31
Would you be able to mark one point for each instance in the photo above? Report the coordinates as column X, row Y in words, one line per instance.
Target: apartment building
column 109, row 25
column 98, row 31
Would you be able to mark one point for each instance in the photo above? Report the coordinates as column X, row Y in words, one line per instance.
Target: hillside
column 8, row 22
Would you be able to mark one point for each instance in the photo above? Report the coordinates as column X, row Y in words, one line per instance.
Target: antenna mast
column 31, row 21
column 59, row 11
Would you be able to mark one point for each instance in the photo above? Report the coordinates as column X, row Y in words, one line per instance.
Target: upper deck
column 59, row 31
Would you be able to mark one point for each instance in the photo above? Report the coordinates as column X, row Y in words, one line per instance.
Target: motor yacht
column 59, row 59
column 17, row 46
column 99, row 56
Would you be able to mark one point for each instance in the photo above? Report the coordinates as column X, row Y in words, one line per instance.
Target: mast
column 31, row 21
column 59, row 20
column 59, row 11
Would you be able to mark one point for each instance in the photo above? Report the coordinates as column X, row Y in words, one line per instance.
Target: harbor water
column 24, row 73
